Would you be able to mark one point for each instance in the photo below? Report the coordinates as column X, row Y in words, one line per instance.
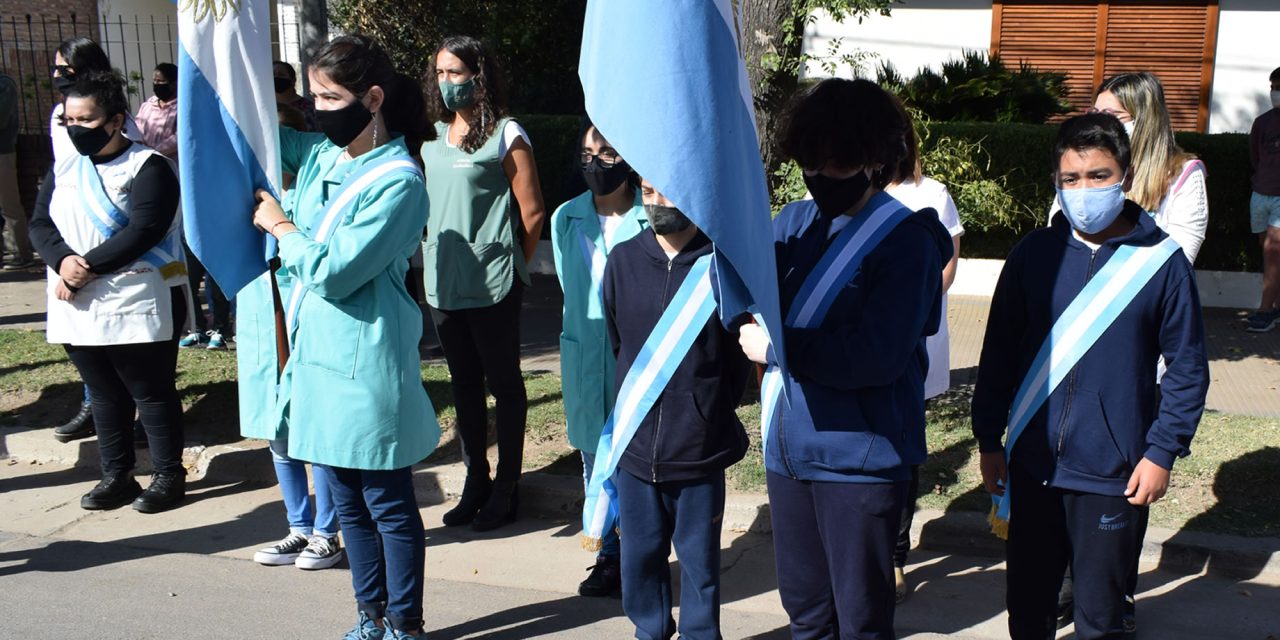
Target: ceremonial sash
column 1088, row 316
column 836, row 267
column 355, row 183
column 657, row 361
column 166, row 256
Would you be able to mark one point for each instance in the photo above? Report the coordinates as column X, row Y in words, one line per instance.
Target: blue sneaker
column 1263, row 321
column 215, row 341
column 365, row 629
column 191, row 340
column 396, row 634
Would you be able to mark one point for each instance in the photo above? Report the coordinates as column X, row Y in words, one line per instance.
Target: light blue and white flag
column 227, row 133
column 665, row 83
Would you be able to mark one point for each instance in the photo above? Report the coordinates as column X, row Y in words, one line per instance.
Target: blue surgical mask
column 1092, row 210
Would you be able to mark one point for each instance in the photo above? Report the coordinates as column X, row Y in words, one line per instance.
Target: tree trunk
column 771, row 68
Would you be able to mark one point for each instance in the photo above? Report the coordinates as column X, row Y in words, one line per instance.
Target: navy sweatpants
column 1099, row 536
column 833, row 543
column 651, row 519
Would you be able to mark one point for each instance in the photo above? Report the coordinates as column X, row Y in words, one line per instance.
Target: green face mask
column 458, row 96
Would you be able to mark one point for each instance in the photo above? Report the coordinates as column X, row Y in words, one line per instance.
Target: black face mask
column 89, row 140
column 343, row 125
column 602, row 180
column 666, row 220
column 63, row 84
column 283, row 85
column 164, row 91
column 836, row 196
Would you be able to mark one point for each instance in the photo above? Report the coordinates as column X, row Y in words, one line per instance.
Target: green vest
column 470, row 253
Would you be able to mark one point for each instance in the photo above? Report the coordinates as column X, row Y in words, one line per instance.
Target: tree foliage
column 981, row 88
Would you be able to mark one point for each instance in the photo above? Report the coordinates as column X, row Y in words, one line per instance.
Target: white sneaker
column 284, row 552
column 322, row 552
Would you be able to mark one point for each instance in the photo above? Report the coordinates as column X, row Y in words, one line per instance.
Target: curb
column 559, row 498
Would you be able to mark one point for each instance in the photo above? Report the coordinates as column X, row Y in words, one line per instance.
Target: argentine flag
column 665, row 83
column 227, row 135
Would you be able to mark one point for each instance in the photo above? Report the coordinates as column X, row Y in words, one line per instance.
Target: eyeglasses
column 64, row 70
column 607, row 157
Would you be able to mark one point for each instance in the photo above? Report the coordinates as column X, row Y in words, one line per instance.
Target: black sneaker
column 605, row 579
column 1129, row 617
column 114, row 491
column 80, row 426
column 165, row 492
column 1066, row 603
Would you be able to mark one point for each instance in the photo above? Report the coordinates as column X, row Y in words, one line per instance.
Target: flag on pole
column 665, row 83
column 227, row 136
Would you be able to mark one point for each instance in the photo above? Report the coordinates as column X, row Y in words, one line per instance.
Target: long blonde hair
column 1157, row 158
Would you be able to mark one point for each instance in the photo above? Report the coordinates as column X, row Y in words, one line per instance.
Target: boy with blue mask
column 1075, row 444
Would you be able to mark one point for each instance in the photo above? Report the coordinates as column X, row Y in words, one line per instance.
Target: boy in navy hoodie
column 670, row 479
column 1088, row 460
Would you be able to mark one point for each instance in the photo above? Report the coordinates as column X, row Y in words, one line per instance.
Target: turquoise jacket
column 351, row 394
column 586, row 359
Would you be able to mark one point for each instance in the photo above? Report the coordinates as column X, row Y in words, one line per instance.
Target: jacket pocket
column 130, row 293
column 328, row 336
column 468, row 272
column 1089, row 445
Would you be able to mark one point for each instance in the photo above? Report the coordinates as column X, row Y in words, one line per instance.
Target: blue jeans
column 654, row 517
column 609, row 546
column 292, row 476
column 386, row 546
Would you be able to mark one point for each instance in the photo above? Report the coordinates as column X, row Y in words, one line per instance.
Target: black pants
column 908, row 516
column 218, row 305
column 1099, row 536
column 482, row 346
column 121, row 377
column 833, row 542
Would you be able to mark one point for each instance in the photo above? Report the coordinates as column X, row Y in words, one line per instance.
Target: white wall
column 1247, row 31
column 917, row 33
column 148, row 37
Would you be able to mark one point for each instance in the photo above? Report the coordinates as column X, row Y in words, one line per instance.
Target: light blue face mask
column 458, row 96
column 1092, row 210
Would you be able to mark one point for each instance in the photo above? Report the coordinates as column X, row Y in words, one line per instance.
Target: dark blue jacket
column 693, row 429
column 1103, row 418
column 857, row 381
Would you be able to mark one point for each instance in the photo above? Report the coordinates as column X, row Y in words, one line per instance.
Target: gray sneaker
column 1263, row 321
column 284, row 552
column 322, row 552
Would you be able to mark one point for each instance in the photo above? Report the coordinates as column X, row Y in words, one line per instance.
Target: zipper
column 657, row 429
column 1071, row 384
column 782, row 441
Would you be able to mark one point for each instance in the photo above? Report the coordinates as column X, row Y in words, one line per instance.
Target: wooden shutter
column 1091, row 40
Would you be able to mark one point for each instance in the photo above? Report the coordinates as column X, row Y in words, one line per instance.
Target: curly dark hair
column 852, row 122
column 105, row 88
column 490, row 92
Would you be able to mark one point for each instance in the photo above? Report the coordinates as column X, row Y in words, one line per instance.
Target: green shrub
column 980, row 88
column 554, row 141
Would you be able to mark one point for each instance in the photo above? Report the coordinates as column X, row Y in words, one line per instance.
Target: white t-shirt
column 609, row 227
column 510, row 133
column 930, row 193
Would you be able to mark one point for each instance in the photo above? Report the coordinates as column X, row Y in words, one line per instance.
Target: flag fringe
column 999, row 526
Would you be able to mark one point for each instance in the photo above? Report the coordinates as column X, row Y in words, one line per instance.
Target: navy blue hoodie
column 693, row 429
column 1103, row 418
column 857, row 381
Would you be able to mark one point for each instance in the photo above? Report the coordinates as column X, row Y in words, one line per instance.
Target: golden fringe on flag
column 999, row 526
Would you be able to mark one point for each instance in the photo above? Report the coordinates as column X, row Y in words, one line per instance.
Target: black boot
column 501, row 507
column 605, row 579
column 81, row 426
column 114, row 491
column 475, row 492
column 166, row 492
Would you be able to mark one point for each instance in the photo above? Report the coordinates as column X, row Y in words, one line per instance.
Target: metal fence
column 134, row 44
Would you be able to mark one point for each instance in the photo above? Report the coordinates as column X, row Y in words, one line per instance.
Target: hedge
column 1021, row 153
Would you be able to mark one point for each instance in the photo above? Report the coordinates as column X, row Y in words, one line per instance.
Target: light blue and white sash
column 352, row 186
column 823, row 284
column 661, row 355
column 167, row 256
column 1088, row 316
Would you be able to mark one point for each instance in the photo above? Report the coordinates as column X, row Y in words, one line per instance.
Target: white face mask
column 1275, row 99
column 1132, row 124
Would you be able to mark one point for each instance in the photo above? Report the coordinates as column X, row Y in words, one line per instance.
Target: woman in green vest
column 350, row 398
column 584, row 231
column 486, row 218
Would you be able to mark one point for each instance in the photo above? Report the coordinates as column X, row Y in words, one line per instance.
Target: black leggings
column 121, row 377
column 482, row 346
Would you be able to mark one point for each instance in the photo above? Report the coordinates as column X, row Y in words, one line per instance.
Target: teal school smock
column 586, row 359
column 351, row 394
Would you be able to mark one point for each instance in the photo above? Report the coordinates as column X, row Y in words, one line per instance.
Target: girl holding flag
column 350, row 396
column 584, row 231
column 860, row 285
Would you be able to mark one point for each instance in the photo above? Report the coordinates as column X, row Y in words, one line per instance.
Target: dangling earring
column 375, row 130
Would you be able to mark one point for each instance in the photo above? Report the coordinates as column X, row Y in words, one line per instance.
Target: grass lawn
column 1226, row 486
